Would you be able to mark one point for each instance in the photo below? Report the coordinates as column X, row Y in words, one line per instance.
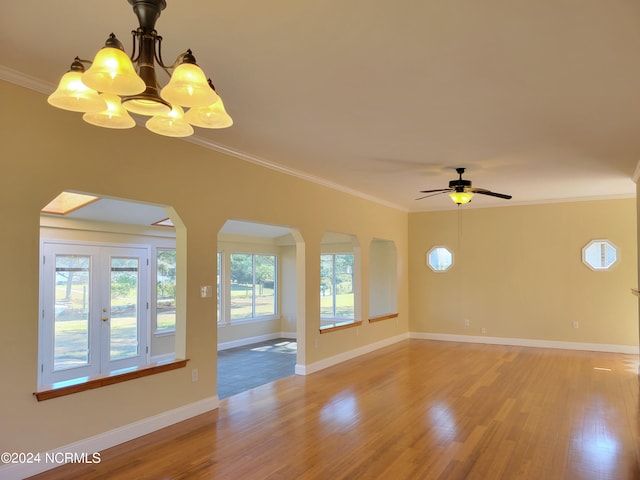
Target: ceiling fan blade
column 488, row 192
column 438, row 192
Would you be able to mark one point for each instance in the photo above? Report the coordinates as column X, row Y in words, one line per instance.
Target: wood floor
column 416, row 410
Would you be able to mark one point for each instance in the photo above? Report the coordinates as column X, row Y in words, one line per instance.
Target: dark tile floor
column 243, row 368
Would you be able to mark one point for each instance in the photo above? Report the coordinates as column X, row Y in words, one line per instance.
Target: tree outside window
column 166, row 290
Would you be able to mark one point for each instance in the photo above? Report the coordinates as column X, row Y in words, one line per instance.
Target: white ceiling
column 118, row 211
column 110, row 210
column 539, row 99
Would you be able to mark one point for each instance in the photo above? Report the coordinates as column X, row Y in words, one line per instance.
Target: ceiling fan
column 461, row 191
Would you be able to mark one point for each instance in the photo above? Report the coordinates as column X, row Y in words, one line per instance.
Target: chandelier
column 116, row 84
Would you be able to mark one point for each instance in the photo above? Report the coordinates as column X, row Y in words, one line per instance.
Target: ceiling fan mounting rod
column 459, row 184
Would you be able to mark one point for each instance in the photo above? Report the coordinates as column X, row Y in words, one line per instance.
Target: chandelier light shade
column 461, row 197
column 171, row 124
column 210, row 116
column 113, row 116
column 115, row 84
column 72, row 94
column 188, row 85
column 112, row 71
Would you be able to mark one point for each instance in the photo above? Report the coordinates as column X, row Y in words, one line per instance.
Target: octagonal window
column 600, row 254
column 439, row 259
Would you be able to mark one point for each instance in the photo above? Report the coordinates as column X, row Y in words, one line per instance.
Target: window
column 165, row 290
column 252, row 286
column 439, row 259
column 336, row 286
column 600, row 254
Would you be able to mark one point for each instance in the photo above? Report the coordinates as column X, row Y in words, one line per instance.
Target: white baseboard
column 525, row 342
column 241, row 342
column 111, row 438
column 342, row 357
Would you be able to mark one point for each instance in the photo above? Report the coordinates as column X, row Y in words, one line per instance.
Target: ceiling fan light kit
column 461, row 197
column 116, row 84
column 460, row 190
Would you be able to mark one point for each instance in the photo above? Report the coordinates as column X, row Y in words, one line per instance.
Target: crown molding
column 27, row 81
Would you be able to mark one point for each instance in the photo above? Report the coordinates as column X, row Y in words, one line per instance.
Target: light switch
column 206, row 291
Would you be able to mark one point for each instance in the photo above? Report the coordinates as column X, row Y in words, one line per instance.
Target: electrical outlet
column 483, row 330
column 466, row 322
column 575, row 324
column 194, row 375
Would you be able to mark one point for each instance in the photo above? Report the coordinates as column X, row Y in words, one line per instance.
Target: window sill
column 380, row 318
column 82, row 384
column 340, row 326
column 164, row 333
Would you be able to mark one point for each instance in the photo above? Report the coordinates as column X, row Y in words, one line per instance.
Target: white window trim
column 440, row 270
column 225, row 319
column 600, row 269
column 341, row 320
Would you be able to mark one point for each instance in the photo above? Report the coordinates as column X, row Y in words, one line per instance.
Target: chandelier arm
column 134, row 36
column 158, row 56
column 82, row 60
column 168, row 68
column 180, row 58
column 158, row 53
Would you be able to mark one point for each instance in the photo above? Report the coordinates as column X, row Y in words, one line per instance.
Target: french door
column 94, row 309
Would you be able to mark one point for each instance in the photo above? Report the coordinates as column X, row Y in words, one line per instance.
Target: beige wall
column 518, row 273
column 45, row 151
column 289, row 290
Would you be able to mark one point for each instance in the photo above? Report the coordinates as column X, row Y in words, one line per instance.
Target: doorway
column 95, row 301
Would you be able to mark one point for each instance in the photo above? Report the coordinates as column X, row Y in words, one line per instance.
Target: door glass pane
column 124, row 308
column 265, row 285
column 71, row 339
